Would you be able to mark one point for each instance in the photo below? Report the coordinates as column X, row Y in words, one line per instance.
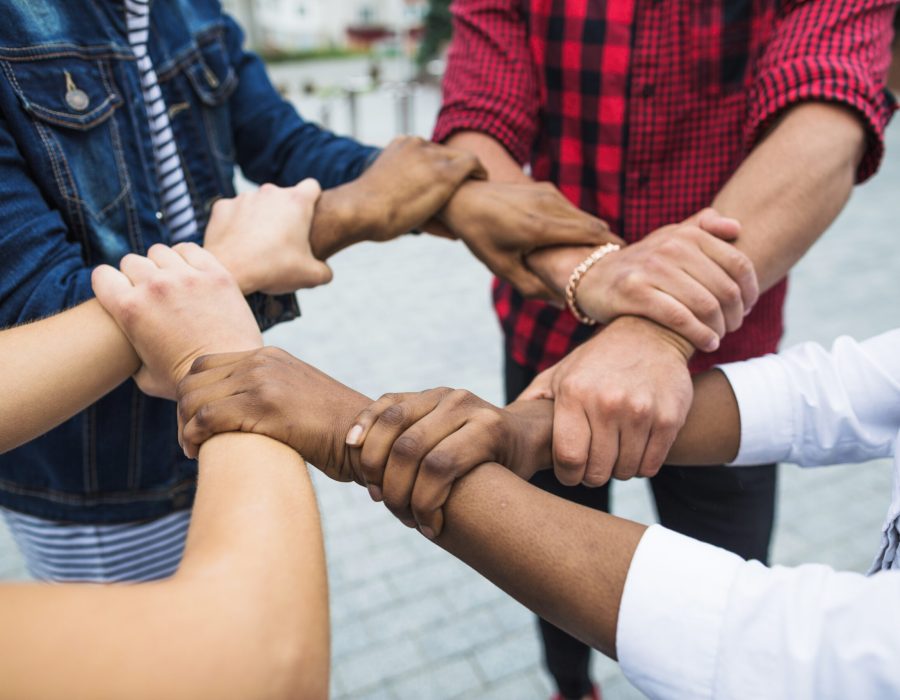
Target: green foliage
column 438, row 30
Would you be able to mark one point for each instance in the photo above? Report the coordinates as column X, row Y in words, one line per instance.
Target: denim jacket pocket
column 212, row 79
column 71, row 102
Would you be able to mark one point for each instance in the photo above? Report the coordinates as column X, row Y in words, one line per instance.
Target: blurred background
column 409, row 621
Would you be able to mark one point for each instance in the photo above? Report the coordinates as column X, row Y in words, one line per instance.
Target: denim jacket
column 78, row 188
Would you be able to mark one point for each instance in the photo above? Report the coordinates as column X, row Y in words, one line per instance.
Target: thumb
column 111, row 287
column 541, row 387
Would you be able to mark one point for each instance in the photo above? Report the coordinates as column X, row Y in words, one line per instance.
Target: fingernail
column 409, row 523
column 375, row 493
column 748, row 311
column 712, row 345
column 353, row 437
column 427, row 531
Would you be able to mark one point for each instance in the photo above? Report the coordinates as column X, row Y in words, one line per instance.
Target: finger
column 448, row 461
column 391, row 420
column 110, row 286
column 527, row 283
column 701, row 300
column 736, row 265
column 309, row 190
column 571, row 442
column 138, row 268
column 164, row 257
column 223, row 415
column 723, row 227
column 204, row 388
column 408, row 452
column 658, row 445
column 633, row 439
column 667, row 311
column 718, row 290
column 603, row 452
column 208, row 362
column 541, row 387
column 198, row 257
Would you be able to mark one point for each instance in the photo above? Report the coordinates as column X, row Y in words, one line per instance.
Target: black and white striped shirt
column 177, row 208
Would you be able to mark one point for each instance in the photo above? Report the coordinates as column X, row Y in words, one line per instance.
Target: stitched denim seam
column 117, row 497
column 33, row 52
column 134, row 451
column 184, row 57
column 76, row 212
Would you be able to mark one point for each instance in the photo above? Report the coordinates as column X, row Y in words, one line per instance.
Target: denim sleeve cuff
column 762, row 389
column 271, row 310
column 672, row 614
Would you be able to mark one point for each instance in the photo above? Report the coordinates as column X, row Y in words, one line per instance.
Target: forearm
column 58, row 366
column 335, row 225
column 565, row 562
column 498, row 162
column 245, row 616
column 793, row 185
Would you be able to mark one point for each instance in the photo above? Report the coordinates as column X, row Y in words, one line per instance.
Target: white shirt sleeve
column 699, row 622
column 813, row 407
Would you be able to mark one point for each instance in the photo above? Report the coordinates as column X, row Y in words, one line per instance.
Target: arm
column 47, row 381
column 804, row 405
column 245, row 616
column 786, row 193
column 603, row 579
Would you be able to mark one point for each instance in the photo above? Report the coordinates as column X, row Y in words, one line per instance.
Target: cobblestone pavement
column 409, row 621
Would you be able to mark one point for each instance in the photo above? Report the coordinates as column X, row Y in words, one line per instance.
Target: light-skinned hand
column 262, row 237
column 175, row 305
column 619, row 401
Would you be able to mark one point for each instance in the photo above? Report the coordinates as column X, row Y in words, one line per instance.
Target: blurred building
column 308, row 25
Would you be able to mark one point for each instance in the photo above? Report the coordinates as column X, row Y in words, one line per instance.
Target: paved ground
column 410, row 621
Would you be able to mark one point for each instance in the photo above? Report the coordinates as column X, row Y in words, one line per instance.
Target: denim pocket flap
column 67, row 92
column 211, row 74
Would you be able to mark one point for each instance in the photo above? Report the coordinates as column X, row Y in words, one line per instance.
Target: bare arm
column 793, row 185
column 245, row 616
column 54, row 368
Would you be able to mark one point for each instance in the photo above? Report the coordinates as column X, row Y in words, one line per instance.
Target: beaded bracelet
column 578, row 273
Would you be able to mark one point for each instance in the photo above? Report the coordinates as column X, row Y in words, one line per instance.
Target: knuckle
column 440, row 464
column 407, row 447
column 394, row 415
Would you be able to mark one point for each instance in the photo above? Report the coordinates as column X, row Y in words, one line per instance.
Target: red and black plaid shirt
column 641, row 110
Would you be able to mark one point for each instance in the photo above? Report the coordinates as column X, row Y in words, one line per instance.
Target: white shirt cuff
column 762, row 389
column 671, row 615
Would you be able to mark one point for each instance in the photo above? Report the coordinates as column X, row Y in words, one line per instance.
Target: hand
column 270, row 392
column 413, row 447
column 685, row 277
column 410, row 181
column 175, row 305
column 263, row 238
column 620, row 400
column 502, row 223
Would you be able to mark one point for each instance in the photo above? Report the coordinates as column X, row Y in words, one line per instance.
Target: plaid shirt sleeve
column 829, row 50
column 490, row 84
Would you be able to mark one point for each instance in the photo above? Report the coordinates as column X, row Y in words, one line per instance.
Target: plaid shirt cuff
column 815, row 79
column 517, row 138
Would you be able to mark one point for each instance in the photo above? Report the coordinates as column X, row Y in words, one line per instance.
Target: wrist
column 240, row 267
column 338, row 222
column 531, row 436
column 651, row 331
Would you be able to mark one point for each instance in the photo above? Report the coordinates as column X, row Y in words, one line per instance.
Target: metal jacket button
column 76, row 98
